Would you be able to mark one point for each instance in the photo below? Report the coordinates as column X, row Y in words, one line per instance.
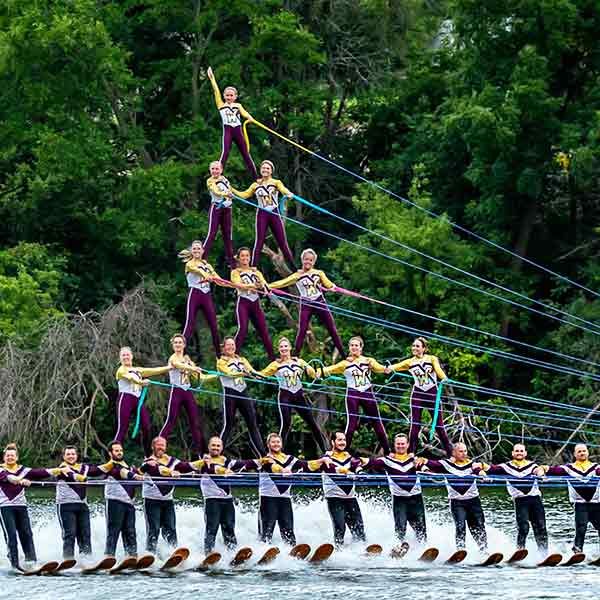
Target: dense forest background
column 485, row 112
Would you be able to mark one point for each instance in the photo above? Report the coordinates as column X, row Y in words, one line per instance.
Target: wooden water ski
column 65, row 565
column 373, row 549
column 300, row 551
column 183, row 552
column 269, row 556
column 108, row 562
column 493, row 559
column 144, row 562
column 457, row 557
column 210, row 559
column 127, row 563
column 429, row 555
column 400, row 551
column 517, row 556
column 173, row 561
column 322, row 553
column 47, row 567
column 574, row 559
column 552, row 560
column 242, row 555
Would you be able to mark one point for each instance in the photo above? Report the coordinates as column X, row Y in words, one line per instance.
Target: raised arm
column 216, row 91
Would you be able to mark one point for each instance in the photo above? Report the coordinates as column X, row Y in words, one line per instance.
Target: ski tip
column 457, row 557
column 241, row 556
column 210, row 559
column 323, row 552
column 145, row 561
column 183, row 552
column 300, row 551
column 575, row 559
column 47, row 567
column 374, row 549
column 173, row 561
column 493, row 559
column 429, row 555
column 552, row 560
column 518, row 555
column 269, row 556
column 66, row 564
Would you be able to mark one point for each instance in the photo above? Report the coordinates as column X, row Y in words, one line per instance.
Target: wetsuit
column 235, row 398
column 584, row 494
column 14, row 516
column 120, row 511
column 426, row 372
column 200, row 299
column 248, row 308
column 529, row 507
column 267, row 216
column 465, row 503
column 339, row 492
column 180, row 397
column 159, row 507
column 219, row 215
column 232, row 114
column 359, row 392
column 405, row 488
column 274, row 493
column 130, row 389
column 310, row 286
column 291, row 397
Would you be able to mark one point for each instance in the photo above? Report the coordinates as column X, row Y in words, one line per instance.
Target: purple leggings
column 127, row 405
column 179, row 398
column 219, row 217
column 420, row 400
column 235, row 134
column 354, row 400
column 232, row 401
column 264, row 220
column 320, row 309
column 196, row 301
column 251, row 310
column 287, row 402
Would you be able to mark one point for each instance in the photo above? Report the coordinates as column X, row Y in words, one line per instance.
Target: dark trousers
column 178, row 399
column 160, row 518
column 199, row 301
column 585, row 512
column 127, row 406
column 356, row 399
column 219, row 217
column 74, row 519
column 232, row 401
column 530, row 509
column 420, row 400
column 219, row 512
column 276, row 511
column 409, row 509
column 319, row 309
column 346, row 511
column 235, row 134
column 469, row 512
column 290, row 401
column 15, row 522
column 249, row 310
column 120, row 521
column 266, row 219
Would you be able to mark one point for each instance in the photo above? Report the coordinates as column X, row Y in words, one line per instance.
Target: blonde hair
column 268, row 162
column 272, row 436
column 178, row 336
column 186, row 254
column 423, row 342
column 230, row 87
column 359, row 339
column 309, row 251
column 242, row 249
column 11, row 446
column 215, row 162
column 283, row 339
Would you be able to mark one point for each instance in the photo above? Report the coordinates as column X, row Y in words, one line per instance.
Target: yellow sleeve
column 244, row 112
column 336, row 369
column 287, row 281
column 204, row 377
column 248, row 366
column 197, row 464
column 235, row 277
column 211, row 184
column 376, row 367
column 308, row 369
column 246, row 193
column 182, row 366
column 314, row 465
column 125, row 373
column 270, row 369
column 213, row 272
column 106, row 467
column 261, row 277
column 282, row 189
column 190, row 267
column 402, row 366
column 217, row 92
column 325, row 281
column 148, row 372
column 438, row 368
column 223, row 367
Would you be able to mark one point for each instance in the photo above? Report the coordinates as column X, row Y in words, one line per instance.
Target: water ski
column 65, row 565
column 457, row 557
column 183, row 552
column 173, row 561
column 493, row 559
column 300, row 551
column 48, row 567
column 269, row 556
column 551, row 560
column 130, row 562
column 399, row 551
column 518, row 556
column 323, row 552
column 144, row 562
column 373, row 549
column 108, row 562
column 574, row 559
column 241, row 556
column 429, row 555
column 212, row 558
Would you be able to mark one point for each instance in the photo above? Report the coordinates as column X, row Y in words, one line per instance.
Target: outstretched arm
column 285, row 282
column 217, row 92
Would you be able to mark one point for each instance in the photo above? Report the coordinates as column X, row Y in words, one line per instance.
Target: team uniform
column 232, row 114
column 248, row 308
column 523, row 488
column 235, row 397
column 340, row 494
column 465, row 503
column 407, row 495
column 427, row 373
column 584, row 494
column 180, row 397
column 200, row 299
column 129, row 381
column 14, row 516
column 359, row 392
column 219, row 215
column 267, row 193
column 291, row 396
column 310, row 286
column 274, row 493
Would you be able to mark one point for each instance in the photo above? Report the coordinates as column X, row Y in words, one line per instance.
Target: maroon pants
column 356, row 399
column 248, row 310
column 178, row 399
column 266, row 219
column 220, row 217
column 320, row 309
column 235, row 134
column 127, row 405
column 420, row 400
column 196, row 301
column 289, row 401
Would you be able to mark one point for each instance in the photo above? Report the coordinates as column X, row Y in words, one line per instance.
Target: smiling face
column 216, row 169
column 178, row 344
column 285, row 349
column 215, row 446
column 274, row 444
column 11, row 457
column 116, row 452
column 159, row 446
column 244, row 258
column 229, row 347
column 459, row 452
column 308, row 260
column 519, row 452
column 581, row 453
column 401, row 444
column 126, row 357
column 339, row 443
column 70, row 456
column 197, row 250
column 230, row 94
column 266, row 170
column 355, row 347
column 417, row 348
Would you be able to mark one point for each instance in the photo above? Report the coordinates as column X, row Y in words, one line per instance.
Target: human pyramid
column 277, row 471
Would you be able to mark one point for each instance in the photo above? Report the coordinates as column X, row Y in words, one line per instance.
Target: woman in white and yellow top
column 267, row 190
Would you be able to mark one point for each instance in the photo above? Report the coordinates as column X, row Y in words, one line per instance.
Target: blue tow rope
column 138, row 417
column 436, row 410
